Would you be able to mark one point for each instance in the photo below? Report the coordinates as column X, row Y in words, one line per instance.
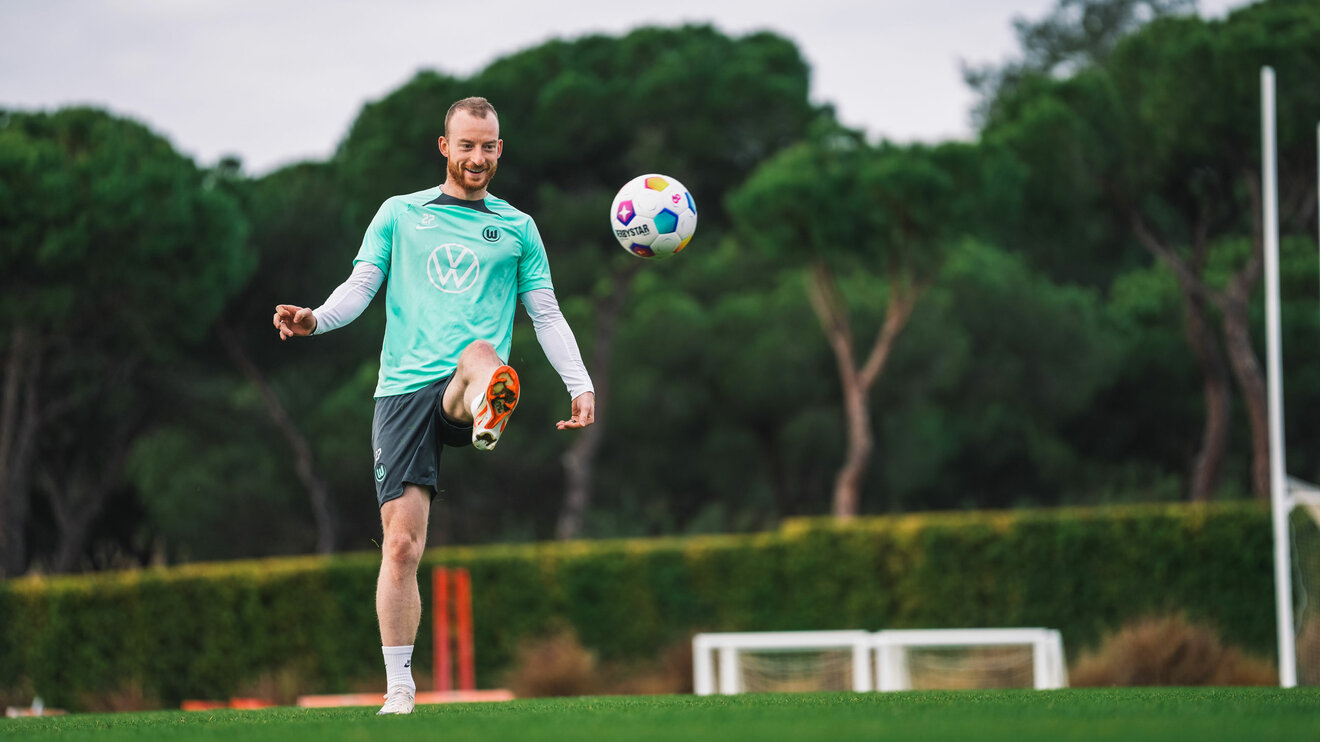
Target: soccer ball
column 653, row 216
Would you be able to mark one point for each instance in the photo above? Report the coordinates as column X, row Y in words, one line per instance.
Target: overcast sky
column 277, row 81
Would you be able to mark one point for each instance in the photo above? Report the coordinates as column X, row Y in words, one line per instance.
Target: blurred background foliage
column 1079, row 290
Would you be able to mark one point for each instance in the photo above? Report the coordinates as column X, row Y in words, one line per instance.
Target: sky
column 280, row 81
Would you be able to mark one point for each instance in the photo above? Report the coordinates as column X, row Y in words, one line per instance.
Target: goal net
column 969, row 658
column 952, row 668
column 790, row 671
column 1304, row 533
column 781, row 662
column 802, row 661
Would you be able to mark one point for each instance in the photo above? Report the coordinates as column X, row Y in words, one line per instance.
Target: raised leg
column 483, row 394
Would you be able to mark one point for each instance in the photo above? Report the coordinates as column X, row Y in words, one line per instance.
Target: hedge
column 205, row 630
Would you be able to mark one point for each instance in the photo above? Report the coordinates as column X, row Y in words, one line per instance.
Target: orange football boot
column 490, row 411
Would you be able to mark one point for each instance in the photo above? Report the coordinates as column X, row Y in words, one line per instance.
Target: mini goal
column 781, row 661
column 798, row 661
column 969, row 658
column 1303, row 508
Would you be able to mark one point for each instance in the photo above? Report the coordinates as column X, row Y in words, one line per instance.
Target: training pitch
column 1128, row 714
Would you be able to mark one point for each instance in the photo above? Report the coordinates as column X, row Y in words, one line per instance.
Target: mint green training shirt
column 454, row 269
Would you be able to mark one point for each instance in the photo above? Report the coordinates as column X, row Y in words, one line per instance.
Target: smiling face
column 473, row 147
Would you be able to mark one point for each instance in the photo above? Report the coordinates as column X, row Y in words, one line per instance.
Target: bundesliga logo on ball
column 653, row 216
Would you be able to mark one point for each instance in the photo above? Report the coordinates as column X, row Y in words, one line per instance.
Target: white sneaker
column 490, row 411
column 398, row 701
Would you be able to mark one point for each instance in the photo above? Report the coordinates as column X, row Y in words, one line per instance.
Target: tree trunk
column 304, row 464
column 80, row 499
column 1246, row 367
column 580, row 459
column 78, row 485
column 856, row 383
column 857, row 459
column 1241, row 355
column 578, row 462
column 1207, row 468
column 19, row 423
column 9, row 422
column 1242, row 358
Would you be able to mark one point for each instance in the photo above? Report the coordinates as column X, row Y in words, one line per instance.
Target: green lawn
column 1127, row 714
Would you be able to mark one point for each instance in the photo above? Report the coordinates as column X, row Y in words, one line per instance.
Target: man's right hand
column 291, row 320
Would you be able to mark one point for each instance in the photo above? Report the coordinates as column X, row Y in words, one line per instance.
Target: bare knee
column 475, row 365
column 402, row 552
column 478, row 351
column 403, row 526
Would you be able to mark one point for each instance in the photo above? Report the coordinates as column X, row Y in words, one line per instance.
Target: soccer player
column 457, row 260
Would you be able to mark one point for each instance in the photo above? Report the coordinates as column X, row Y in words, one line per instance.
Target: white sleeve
column 347, row 302
column 557, row 340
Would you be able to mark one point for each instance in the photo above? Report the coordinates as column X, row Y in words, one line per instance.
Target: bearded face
column 472, row 175
column 473, row 147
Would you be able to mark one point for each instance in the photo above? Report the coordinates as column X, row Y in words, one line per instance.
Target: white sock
column 398, row 667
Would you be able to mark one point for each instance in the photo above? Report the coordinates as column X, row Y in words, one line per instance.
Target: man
column 457, row 259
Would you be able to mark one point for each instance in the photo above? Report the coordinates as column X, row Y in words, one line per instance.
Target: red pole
column 440, row 592
column 467, row 675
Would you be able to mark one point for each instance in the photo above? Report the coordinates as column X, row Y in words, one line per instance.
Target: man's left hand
column 584, row 412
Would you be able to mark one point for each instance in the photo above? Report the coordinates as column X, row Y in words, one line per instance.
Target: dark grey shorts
column 407, row 434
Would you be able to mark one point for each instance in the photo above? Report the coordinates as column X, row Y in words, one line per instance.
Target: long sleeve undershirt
column 347, row 302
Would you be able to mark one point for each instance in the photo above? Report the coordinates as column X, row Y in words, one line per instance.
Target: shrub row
column 203, row 631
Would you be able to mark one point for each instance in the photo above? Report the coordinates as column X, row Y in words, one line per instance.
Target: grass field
column 1128, row 714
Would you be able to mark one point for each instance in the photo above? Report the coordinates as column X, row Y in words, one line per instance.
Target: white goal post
column 1286, row 493
column 880, row 660
column 893, row 672
column 728, row 647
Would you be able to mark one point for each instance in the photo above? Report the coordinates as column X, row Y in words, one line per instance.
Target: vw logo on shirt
column 453, row 268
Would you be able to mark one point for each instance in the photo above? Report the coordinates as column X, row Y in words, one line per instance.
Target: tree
column 844, row 207
column 304, row 407
column 715, row 428
column 1069, row 135
column 1166, row 136
column 297, row 215
column 117, row 252
column 1074, row 35
column 982, row 399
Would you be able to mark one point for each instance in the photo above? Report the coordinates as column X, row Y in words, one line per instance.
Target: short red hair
column 477, row 106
